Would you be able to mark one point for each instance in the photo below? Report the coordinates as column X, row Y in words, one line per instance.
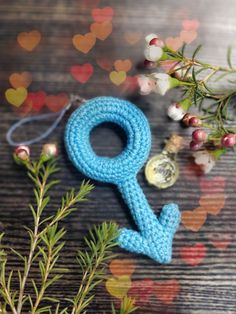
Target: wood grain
column 208, row 288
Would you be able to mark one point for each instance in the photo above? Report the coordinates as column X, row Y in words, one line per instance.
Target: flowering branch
column 46, row 244
column 214, row 131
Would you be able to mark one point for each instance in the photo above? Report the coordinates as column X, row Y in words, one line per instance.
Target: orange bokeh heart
column 101, row 30
column 212, row 203
column 56, row 103
column 174, row 42
column 188, row 36
column 132, row 37
column 194, row 219
column 190, row 25
column 121, row 267
column 220, row 240
column 23, row 79
column 84, row 43
column 105, row 63
column 123, row 65
column 29, row 41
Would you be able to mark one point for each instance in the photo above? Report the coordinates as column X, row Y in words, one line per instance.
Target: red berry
column 149, row 64
column 199, row 135
column 194, row 121
column 228, row 140
column 194, row 145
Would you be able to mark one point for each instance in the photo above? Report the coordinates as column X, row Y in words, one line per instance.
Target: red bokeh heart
column 141, row 291
column 102, row 15
column 82, row 73
column 193, row 255
column 166, row 291
column 36, row 100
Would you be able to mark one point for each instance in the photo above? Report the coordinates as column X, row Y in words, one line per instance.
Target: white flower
column 164, row 82
column 146, row 84
column 175, row 112
column 149, row 37
column 153, row 53
column 205, row 160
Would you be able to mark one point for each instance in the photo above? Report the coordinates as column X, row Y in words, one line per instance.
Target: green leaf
column 182, row 51
column 18, row 254
column 196, row 51
column 229, row 57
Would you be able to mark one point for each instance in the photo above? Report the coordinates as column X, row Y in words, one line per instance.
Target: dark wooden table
column 209, row 287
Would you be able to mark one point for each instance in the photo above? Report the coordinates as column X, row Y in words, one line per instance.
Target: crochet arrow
column 155, row 236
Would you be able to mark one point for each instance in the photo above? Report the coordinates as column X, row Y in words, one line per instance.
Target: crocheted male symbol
column 155, row 236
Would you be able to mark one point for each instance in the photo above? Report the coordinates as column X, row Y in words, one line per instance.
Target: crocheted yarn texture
column 155, row 236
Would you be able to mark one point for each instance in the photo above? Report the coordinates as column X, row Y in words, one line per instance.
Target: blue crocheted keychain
column 155, row 236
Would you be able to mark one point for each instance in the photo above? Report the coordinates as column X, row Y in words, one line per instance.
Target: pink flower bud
column 157, row 42
column 228, row 140
column 195, row 121
column 50, row 150
column 194, row 145
column 199, row 135
column 22, row 152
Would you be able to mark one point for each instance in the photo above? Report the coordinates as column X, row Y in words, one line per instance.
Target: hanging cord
column 57, row 115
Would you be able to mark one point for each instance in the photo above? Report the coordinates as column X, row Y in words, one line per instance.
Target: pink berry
column 194, row 145
column 199, row 135
column 228, row 140
column 194, row 121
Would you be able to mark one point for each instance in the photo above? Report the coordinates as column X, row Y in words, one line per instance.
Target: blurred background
column 50, row 49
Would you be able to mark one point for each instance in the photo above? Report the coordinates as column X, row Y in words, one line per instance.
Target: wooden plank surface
column 207, row 288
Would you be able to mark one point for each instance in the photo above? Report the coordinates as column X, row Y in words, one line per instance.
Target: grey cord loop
column 59, row 115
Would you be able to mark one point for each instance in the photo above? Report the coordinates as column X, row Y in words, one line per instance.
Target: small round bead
column 22, row 152
column 199, row 135
column 195, row 145
column 228, row 140
column 194, row 121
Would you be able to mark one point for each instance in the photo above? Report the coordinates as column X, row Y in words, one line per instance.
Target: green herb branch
column 18, row 289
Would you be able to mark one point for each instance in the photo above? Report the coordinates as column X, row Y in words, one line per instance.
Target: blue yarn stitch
column 155, row 236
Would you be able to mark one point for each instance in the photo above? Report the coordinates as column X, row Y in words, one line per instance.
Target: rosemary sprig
column 92, row 262
column 46, row 243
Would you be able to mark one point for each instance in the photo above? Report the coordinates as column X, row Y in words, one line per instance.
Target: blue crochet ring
column 155, row 236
